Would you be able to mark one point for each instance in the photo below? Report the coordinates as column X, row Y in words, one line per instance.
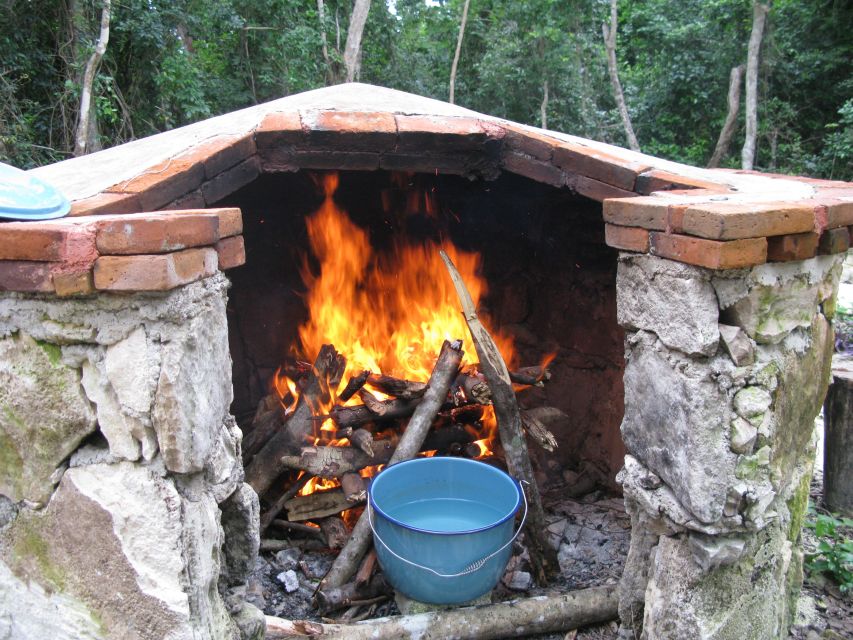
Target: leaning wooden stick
column 446, row 368
column 543, row 556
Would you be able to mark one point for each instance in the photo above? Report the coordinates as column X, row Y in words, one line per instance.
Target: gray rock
column 223, row 470
column 677, row 424
column 241, row 525
column 131, row 368
column 44, row 416
column 751, row 403
column 287, row 559
column 737, row 344
column 743, row 435
column 289, row 580
column 673, row 300
column 716, row 551
column 519, row 581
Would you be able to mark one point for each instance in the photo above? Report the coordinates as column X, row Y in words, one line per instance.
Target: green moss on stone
column 798, row 504
column 54, row 352
column 30, row 547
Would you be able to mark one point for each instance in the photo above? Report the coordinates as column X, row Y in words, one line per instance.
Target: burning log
column 332, row 462
column 372, row 402
column 403, row 389
column 335, row 532
column 344, row 596
column 358, row 415
column 543, row 556
column 471, row 389
column 532, row 376
column 319, row 504
column 441, row 439
column 445, row 370
column 313, row 532
column 354, row 487
column 353, row 385
column 265, row 466
column 524, row 618
column 363, row 439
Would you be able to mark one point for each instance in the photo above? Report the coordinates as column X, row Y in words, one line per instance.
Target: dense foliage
column 172, row 62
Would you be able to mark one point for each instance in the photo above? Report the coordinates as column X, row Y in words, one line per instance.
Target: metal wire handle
column 471, row 568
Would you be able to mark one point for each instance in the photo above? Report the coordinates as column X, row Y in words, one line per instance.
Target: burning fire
column 387, row 313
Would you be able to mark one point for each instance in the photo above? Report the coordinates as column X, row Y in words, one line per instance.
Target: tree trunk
column 455, row 64
column 352, row 49
column 543, row 108
column 610, row 45
column 321, row 14
column 759, row 18
column 730, row 124
column 82, row 138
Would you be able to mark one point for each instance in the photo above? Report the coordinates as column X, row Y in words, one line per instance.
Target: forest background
column 167, row 63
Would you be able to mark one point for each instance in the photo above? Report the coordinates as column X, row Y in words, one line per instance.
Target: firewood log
column 355, row 489
column 543, row 556
column 353, row 385
column 532, row 376
column 339, row 597
column 445, row 370
column 363, row 439
column 332, row 462
column 397, row 387
column 320, row 504
column 335, row 531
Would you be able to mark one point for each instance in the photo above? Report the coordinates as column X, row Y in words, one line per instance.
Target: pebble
column 520, row 581
column 287, row 559
column 289, row 580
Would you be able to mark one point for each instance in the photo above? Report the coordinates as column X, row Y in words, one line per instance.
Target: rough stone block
column 734, row 254
column 277, row 129
column 351, row 131
column 798, row 246
column 738, row 345
column 154, row 272
column 240, row 521
column 598, row 165
column 223, row 469
column 156, row 233
column 230, row 180
column 231, row 252
column 751, row 403
column 730, row 221
column 532, row 168
column 645, row 212
column 626, row 238
column 193, row 392
column 675, row 301
column 44, row 415
column 677, row 424
column 710, row 552
column 743, row 436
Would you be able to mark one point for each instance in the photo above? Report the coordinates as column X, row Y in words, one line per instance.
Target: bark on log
column 363, row 439
column 333, row 462
column 358, row 415
column 319, row 504
column 365, row 571
column 263, row 429
column 340, row 597
column 445, row 370
column 265, row 467
column 538, row 432
column 535, row 376
column 335, row 531
column 471, row 389
column 522, row 618
column 397, row 387
column 353, row 385
column 543, row 556
column 372, row 402
column 313, row 532
column 441, row 439
column 354, row 487
column 275, row 508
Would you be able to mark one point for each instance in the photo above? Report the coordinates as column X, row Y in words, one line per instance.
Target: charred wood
column 343, row 596
column 275, row 508
column 538, row 432
column 532, row 376
column 354, row 487
column 397, row 387
column 335, row 532
column 319, row 504
column 373, row 403
column 332, row 462
column 365, row 570
column 353, row 385
column 441, row 439
column 295, row 527
column 363, row 439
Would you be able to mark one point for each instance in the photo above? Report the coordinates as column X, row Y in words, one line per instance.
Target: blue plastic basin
column 436, row 519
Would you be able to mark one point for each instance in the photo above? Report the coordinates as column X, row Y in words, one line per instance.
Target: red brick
column 277, row 159
column 192, row 200
column 229, row 181
column 230, row 219
column 357, row 161
column 728, row 221
column 231, row 252
column 598, row 165
column 48, row 241
column 675, row 218
column 17, row 275
column 530, row 143
column 647, row 212
column 156, row 233
column 658, row 180
column 709, row 253
column 352, row 131
column 594, row 189
column 74, row 282
column 798, row 246
column 839, row 213
column 162, row 183
column 221, row 153
column 626, row 238
column 456, row 163
column 160, row 272
column 834, row 241
column 277, row 129
column 532, row 168
column 439, row 133
column 106, row 203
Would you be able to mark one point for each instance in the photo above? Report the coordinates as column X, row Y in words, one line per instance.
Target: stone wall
column 725, row 373
column 120, row 469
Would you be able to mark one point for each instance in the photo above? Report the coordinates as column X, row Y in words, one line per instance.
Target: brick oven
column 689, row 310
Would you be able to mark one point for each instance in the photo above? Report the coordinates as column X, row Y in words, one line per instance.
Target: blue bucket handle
column 471, row 568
